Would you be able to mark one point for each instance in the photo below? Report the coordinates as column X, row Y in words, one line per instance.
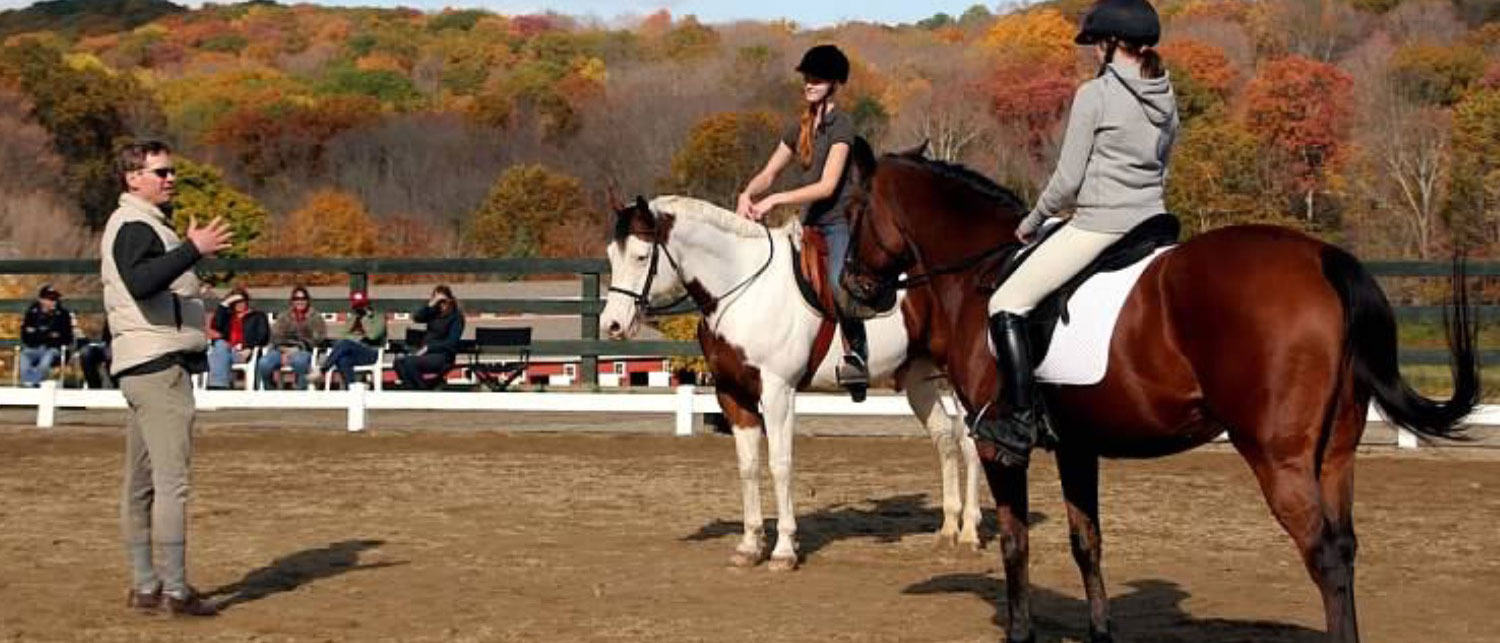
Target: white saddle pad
column 1079, row 354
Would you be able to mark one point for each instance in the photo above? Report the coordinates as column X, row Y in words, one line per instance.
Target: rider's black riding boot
column 854, row 372
column 1014, row 433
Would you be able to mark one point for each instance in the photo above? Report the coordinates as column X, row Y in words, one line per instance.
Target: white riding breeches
column 1051, row 265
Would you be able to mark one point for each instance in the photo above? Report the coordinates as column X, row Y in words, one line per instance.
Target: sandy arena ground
column 311, row 534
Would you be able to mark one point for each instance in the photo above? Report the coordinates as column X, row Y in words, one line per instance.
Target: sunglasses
column 300, row 299
column 161, row 172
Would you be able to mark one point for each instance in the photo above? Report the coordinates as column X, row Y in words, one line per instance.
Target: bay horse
column 1262, row 332
column 757, row 334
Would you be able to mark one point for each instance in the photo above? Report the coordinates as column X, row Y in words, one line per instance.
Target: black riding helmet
column 1130, row 21
column 825, row 62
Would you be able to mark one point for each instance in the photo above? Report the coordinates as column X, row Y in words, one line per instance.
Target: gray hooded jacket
column 1113, row 165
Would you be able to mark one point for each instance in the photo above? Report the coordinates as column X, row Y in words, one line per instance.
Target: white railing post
column 1405, row 439
column 46, row 410
column 357, row 391
column 686, row 419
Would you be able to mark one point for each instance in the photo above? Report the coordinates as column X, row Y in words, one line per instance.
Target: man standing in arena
column 152, row 304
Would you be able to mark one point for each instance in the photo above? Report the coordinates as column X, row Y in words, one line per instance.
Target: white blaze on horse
column 764, row 341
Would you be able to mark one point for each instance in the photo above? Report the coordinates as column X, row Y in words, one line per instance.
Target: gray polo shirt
column 837, row 127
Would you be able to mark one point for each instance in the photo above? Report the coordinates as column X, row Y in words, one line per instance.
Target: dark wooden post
column 590, row 328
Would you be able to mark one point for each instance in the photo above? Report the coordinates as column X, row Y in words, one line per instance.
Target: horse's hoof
column 971, row 542
column 945, row 541
column 744, row 559
column 783, row 563
column 1029, row 639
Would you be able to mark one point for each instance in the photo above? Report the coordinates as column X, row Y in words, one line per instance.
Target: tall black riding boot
column 1014, row 433
column 854, row 372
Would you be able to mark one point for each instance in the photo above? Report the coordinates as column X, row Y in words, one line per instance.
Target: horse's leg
column 746, row 422
column 776, row 404
column 1337, row 552
column 1008, row 485
column 1079, row 471
column 969, row 534
column 1285, row 469
column 924, row 395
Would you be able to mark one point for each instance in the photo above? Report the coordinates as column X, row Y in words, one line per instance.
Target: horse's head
column 641, row 274
column 878, row 252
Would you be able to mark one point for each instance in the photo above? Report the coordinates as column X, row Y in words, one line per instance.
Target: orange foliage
column 381, row 61
column 1032, row 97
column 1206, row 63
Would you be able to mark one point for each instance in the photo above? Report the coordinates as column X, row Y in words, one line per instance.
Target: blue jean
column 347, row 354
column 837, row 234
column 270, row 363
column 221, row 356
column 36, row 363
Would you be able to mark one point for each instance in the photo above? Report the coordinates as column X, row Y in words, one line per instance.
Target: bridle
column 642, row 299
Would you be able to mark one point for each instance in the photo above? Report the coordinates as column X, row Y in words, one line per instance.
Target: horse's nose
column 614, row 329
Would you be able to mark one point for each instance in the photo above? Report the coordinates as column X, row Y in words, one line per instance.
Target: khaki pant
column 158, row 453
column 1050, row 266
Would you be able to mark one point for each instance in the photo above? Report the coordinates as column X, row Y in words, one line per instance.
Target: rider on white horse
column 820, row 143
column 1111, row 172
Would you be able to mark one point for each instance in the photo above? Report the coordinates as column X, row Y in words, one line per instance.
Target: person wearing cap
column 1111, row 174
column 817, row 147
column 293, row 338
column 46, row 328
column 236, row 331
column 363, row 334
column 152, row 304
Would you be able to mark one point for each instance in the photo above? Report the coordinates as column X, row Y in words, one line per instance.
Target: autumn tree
column 722, row 152
column 1436, row 74
column 1202, row 77
column 86, row 107
column 203, row 195
column 1474, row 203
column 526, row 201
column 1302, row 109
column 1218, row 177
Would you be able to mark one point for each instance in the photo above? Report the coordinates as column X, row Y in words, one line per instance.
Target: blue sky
column 804, row 12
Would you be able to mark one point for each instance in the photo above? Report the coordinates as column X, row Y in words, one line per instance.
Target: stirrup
column 853, row 375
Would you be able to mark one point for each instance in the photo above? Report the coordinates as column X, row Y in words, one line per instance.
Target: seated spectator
column 445, row 325
column 45, row 330
column 363, row 334
column 235, row 331
column 293, row 338
column 94, row 358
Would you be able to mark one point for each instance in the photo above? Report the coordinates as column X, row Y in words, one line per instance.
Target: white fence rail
column 687, row 404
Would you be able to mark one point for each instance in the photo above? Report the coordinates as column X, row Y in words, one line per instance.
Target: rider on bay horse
column 1111, row 172
column 819, row 143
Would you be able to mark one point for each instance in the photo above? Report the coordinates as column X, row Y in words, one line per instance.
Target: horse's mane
column 698, row 210
column 964, row 175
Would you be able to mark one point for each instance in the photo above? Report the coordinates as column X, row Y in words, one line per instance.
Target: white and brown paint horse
column 757, row 335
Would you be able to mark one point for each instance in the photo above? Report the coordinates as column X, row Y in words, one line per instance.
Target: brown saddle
column 812, row 281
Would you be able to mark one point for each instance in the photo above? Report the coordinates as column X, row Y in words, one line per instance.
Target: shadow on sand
column 295, row 570
column 1151, row 611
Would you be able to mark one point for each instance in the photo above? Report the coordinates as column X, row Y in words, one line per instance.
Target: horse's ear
column 920, row 151
column 612, row 195
column 863, row 157
column 640, row 202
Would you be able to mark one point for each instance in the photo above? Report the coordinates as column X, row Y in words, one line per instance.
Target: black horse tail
column 1371, row 345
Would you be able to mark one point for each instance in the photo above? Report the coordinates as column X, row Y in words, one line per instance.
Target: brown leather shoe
column 147, row 602
column 192, row 605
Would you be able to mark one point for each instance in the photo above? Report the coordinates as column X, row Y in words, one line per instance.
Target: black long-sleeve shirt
column 145, row 264
column 443, row 331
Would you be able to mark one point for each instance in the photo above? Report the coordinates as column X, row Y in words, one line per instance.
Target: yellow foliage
column 84, row 62
column 683, row 327
column 1040, row 36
